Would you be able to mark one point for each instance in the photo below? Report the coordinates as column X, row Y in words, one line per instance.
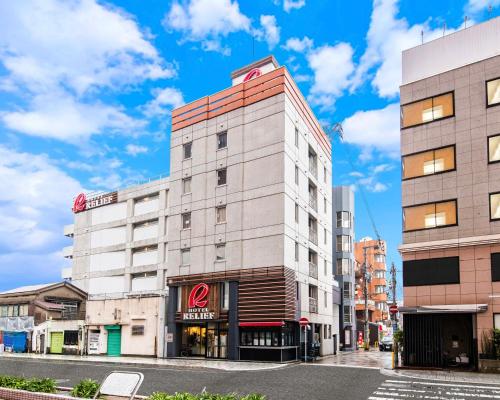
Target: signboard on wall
column 94, row 342
column 200, row 302
column 81, row 203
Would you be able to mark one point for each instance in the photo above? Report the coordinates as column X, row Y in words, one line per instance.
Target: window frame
column 426, row 151
column 186, row 217
column 489, row 206
column 219, row 134
column 434, row 227
column 184, row 251
column 486, row 92
column 493, row 275
column 452, row 92
column 488, row 146
column 220, row 246
column 190, row 150
column 217, row 176
column 184, row 180
column 217, row 209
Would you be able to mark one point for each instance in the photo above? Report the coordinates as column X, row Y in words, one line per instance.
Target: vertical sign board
column 200, row 302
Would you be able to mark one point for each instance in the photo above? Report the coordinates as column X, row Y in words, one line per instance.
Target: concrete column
column 173, row 349
column 233, row 328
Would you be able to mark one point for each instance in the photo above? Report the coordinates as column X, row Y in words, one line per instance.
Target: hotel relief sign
column 81, row 203
column 200, row 302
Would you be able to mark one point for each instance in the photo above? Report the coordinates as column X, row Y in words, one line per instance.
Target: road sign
column 393, row 309
column 170, row 337
column 303, row 321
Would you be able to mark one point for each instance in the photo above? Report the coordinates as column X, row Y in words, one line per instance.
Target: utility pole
column 393, row 283
column 366, row 279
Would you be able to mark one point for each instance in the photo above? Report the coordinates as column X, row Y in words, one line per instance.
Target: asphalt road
column 291, row 382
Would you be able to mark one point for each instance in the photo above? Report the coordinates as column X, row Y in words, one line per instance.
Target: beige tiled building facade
column 450, row 146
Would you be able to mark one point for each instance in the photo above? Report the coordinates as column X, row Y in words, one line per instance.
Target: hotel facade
column 450, row 146
column 243, row 238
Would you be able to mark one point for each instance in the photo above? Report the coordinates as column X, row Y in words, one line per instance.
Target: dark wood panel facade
column 264, row 294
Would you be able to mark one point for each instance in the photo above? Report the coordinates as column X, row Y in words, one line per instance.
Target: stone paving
column 373, row 359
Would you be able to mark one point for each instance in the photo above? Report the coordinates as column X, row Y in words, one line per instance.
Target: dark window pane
column 495, row 267
column 432, row 271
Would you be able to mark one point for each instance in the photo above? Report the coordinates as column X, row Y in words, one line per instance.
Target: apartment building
column 450, row 147
column 373, row 253
column 250, row 223
column 119, row 258
column 343, row 238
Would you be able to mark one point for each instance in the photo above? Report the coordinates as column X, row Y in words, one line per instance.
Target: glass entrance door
column 205, row 340
column 194, row 340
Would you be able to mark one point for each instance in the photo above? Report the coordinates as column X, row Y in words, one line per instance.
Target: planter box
column 491, row 366
column 14, row 394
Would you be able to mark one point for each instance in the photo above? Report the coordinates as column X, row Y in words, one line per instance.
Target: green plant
column 399, row 339
column 85, row 389
column 41, row 385
column 496, row 342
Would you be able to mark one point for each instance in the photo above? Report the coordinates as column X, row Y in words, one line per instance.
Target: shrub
column 399, row 339
column 86, row 389
column 41, row 385
column 204, row 396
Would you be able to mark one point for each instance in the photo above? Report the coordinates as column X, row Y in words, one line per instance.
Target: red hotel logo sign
column 81, row 203
column 197, row 303
column 254, row 73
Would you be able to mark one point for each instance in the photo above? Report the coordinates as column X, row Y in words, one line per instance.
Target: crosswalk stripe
column 447, row 384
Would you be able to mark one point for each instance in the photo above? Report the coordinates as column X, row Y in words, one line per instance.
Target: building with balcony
column 23, row 310
column 373, row 253
column 450, row 148
column 250, row 229
column 343, row 266
column 119, row 257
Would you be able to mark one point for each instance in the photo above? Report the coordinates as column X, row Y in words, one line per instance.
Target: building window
column 379, row 274
column 14, row 310
column 343, row 219
column 347, row 290
column 296, row 251
column 429, row 162
column 428, row 216
column 220, row 213
column 297, row 290
column 222, row 140
column 325, row 296
column 267, row 338
column 493, row 91
column 427, row 110
column 224, row 296
column 379, row 258
column 325, row 235
column 325, row 174
column 187, row 148
column 496, row 321
column 495, row 267
column 296, row 213
column 494, row 149
column 221, row 176
column 186, row 220
column 296, row 175
column 347, row 315
column 220, row 252
column 186, row 185
column 137, row 330
column 4, row 311
column 344, row 243
column 179, row 298
column 431, row 271
column 325, row 266
column 71, row 338
column 494, row 206
column 185, row 256
column 325, row 205
column 379, row 289
column 296, row 137
column 343, row 266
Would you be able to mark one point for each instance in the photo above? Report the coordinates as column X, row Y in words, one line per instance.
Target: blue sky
column 86, row 90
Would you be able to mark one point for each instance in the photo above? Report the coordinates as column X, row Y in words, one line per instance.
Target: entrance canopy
column 448, row 309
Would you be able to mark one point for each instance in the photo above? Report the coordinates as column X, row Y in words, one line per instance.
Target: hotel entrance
column 207, row 339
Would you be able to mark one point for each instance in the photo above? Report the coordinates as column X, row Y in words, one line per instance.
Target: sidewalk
column 373, row 359
column 158, row 362
column 444, row 375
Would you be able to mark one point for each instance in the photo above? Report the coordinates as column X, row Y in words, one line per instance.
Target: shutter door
column 114, row 340
column 56, row 342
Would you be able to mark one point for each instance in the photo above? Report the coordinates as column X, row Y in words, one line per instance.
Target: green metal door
column 114, row 340
column 56, row 342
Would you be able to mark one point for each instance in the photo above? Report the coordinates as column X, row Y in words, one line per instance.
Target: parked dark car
column 386, row 343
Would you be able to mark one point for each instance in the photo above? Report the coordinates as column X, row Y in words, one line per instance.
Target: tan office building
column 450, row 145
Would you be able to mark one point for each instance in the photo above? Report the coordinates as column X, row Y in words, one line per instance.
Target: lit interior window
column 495, row 206
column 429, row 167
column 437, row 219
column 439, row 165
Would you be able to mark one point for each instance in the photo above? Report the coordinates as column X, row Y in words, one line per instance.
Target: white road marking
column 447, row 384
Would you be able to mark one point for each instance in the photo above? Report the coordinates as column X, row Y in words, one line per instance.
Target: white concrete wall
column 106, row 285
column 112, row 212
column 144, row 207
column 107, row 261
column 464, row 47
column 108, row 237
column 143, row 232
column 144, row 284
column 145, row 257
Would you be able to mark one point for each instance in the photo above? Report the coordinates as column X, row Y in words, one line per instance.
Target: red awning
column 262, row 324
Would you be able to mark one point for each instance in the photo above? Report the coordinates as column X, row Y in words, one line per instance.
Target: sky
column 87, row 88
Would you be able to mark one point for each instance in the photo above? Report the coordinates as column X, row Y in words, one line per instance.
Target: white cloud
column 165, row 100
column 270, row 30
column 134, row 149
column 298, row 45
column 289, row 5
column 387, row 37
column 60, row 116
column 375, row 129
column 34, row 206
column 332, row 67
column 78, row 44
column 206, row 21
column 475, row 6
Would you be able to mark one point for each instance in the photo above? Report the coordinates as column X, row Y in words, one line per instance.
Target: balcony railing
column 313, row 236
column 313, row 202
column 313, row 270
column 313, row 167
column 72, row 315
column 313, row 305
column 67, row 252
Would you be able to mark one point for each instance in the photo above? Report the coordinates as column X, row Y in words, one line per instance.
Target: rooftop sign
column 81, row 202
